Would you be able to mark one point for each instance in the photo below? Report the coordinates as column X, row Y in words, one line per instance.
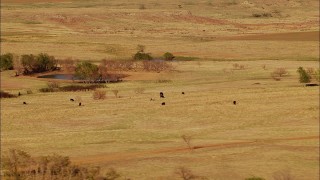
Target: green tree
column 142, row 56
column 304, row 76
column 29, row 63
column 40, row 63
column 168, row 56
column 6, row 61
column 45, row 62
column 86, row 71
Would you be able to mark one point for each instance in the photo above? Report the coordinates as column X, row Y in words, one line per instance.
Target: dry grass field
column 274, row 126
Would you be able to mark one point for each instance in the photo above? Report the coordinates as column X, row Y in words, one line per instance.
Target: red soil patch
column 293, row 36
column 112, row 157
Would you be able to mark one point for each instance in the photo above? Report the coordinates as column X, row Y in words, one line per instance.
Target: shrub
column 142, row 56
column 6, row 61
column 280, row 72
column 99, row 94
column 6, row 95
column 168, row 56
column 304, row 77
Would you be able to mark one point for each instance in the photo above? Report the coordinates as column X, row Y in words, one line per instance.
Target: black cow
column 80, row 104
column 71, row 99
column 19, row 94
column 24, row 103
column 161, row 95
column 182, row 93
column 163, row 103
column 234, row 102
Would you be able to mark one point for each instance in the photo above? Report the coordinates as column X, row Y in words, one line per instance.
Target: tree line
column 105, row 71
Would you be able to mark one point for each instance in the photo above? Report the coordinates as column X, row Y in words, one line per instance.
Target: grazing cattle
column 182, row 93
column 161, row 95
column 234, row 102
column 24, row 103
column 19, row 94
column 151, row 99
column 163, row 103
column 71, row 99
column 79, row 104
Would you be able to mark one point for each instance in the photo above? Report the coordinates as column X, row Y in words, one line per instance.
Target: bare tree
column 17, row 66
column 187, row 140
column 115, row 92
column 185, row 173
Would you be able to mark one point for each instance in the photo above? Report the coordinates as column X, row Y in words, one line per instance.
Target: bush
column 142, row 56
column 168, row 56
column 304, row 77
column 6, row 61
column 99, row 94
column 280, row 72
column 6, row 95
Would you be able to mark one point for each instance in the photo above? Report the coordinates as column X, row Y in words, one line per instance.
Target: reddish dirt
column 113, row 157
column 293, row 36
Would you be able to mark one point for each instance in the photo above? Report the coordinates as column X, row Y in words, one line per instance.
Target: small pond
column 60, row 76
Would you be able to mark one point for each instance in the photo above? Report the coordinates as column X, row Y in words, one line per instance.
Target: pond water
column 60, row 76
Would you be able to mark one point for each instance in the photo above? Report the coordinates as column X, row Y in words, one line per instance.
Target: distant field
column 112, row 29
column 274, row 126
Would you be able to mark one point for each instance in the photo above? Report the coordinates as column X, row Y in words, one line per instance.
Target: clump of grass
column 6, row 95
column 54, row 88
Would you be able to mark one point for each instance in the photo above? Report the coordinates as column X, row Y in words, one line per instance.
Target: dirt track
column 104, row 158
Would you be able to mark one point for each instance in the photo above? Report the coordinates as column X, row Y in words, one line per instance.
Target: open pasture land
column 274, row 125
